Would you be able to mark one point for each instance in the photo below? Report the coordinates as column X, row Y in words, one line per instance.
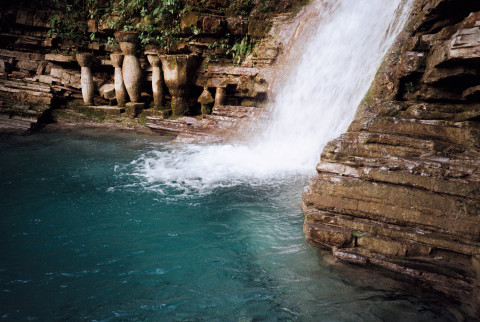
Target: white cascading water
column 316, row 104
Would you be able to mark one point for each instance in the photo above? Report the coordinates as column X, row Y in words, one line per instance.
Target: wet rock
column 222, row 125
column 404, row 181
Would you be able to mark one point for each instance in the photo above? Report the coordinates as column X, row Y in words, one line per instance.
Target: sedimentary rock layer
column 401, row 189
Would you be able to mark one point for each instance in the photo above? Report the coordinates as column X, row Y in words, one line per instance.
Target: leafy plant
column 243, row 7
column 111, row 41
column 70, row 24
column 241, row 49
column 156, row 21
column 358, row 235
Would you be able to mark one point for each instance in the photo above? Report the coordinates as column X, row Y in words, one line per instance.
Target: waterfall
column 319, row 100
column 316, row 103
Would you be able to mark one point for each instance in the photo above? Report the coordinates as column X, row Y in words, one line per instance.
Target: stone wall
column 401, row 189
column 40, row 79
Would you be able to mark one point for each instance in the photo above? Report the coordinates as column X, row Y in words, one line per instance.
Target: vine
column 70, row 25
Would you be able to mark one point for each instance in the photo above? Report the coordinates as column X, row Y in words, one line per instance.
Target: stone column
column 220, row 96
column 131, row 69
column 157, row 81
column 120, row 91
column 88, row 87
column 206, row 101
column 179, row 74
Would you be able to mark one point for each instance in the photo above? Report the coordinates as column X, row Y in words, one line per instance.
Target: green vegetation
column 142, row 119
column 167, row 25
column 158, row 22
column 241, row 49
column 175, row 116
column 357, row 235
column 70, row 26
column 91, row 113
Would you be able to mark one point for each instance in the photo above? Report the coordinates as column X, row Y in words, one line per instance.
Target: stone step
column 107, row 110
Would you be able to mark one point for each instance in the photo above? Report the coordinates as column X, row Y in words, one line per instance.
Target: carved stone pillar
column 120, row 91
column 206, row 101
column 179, row 74
column 220, row 96
column 157, row 81
column 88, row 87
column 131, row 69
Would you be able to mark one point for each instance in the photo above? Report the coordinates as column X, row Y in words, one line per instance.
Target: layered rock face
column 401, row 189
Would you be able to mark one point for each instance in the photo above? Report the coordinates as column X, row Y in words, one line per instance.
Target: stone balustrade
column 88, row 87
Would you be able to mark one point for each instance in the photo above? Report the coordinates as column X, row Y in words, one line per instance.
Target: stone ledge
column 107, row 110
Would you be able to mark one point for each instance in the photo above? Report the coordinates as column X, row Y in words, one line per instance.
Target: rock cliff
column 401, row 189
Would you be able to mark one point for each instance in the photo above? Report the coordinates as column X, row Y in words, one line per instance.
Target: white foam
column 316, row 105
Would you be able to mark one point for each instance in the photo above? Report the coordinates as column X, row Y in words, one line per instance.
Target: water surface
column 85, row 235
